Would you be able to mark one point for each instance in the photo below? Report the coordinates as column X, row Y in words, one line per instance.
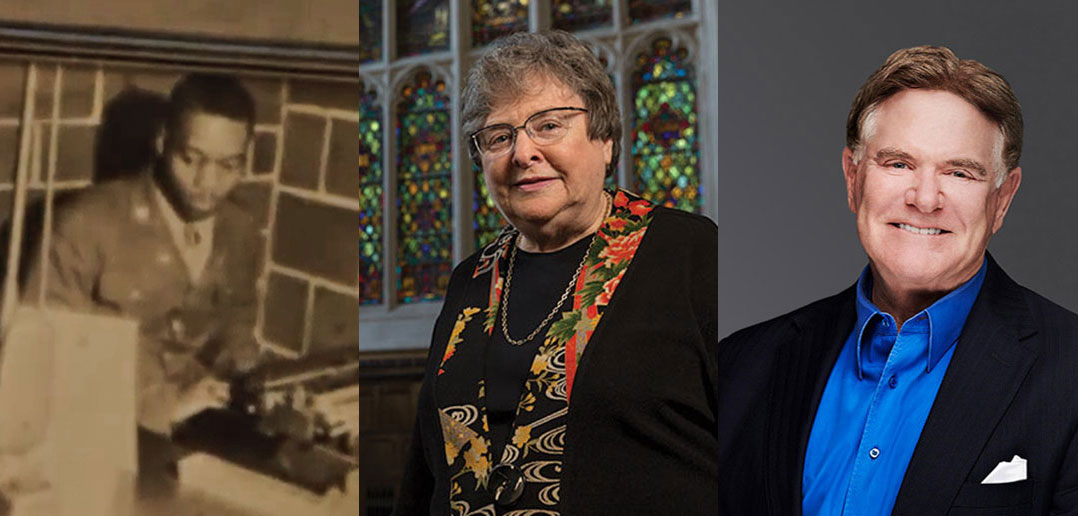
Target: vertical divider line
column 308, row 319
column 323, row 157
column 271, row 217
column 11, row 282
column 50, row 186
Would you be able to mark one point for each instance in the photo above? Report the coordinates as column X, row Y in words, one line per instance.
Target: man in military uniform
column 168, row 248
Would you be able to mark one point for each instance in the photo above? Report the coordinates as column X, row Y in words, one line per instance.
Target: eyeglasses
column 544, row 128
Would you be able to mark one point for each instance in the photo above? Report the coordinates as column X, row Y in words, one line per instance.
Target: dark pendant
column 506, row 484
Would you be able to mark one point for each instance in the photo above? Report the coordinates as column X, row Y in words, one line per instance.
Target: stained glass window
column 422, row 26
column 664, row 145
column 580, row 14
column 424, row 217
column 492, row 19
column 611, row 180
column 644, row 10
column 370, row 197
column 370, row 31
column 488, row 220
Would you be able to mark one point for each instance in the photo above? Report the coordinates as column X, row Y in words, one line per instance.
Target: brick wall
column 312, row 282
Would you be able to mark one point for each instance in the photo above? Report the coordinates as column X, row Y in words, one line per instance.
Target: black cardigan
column 641, row 431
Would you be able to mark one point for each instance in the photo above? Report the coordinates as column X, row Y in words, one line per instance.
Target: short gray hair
column 497, row 77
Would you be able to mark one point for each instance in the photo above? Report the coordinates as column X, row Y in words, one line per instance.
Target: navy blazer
column 1011, row 389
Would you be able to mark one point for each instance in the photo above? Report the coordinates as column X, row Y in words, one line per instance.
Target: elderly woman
column 572, row 369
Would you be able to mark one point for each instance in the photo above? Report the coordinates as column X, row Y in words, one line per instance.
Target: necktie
column 191, row 235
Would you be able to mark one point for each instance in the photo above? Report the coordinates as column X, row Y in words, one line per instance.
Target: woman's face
column 547, row 189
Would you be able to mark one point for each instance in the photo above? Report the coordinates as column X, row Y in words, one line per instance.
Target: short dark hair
column 214, row 94
column 937, row 68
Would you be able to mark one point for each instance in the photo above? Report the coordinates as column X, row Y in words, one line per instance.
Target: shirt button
column 873, row 453
column 892, row 382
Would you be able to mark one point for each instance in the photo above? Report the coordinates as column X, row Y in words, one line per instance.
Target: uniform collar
column 173, row 219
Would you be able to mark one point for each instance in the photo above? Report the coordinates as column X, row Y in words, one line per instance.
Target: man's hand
column 207, row 393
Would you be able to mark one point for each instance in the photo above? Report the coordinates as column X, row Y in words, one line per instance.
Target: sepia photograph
column 180, row 270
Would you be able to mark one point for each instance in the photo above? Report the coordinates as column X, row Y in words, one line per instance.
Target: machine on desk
column 287, row 444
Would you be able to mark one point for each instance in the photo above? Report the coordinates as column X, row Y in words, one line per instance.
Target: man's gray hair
column 499, row 77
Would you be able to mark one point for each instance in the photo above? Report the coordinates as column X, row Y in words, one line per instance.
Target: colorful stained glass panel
column 573, row 15
column 492, row 19
column 370, row 31
column 370, row 197
column 664, row 144
column 645, row 10
column 424, row 200
column 422, row 26
column 488, row 221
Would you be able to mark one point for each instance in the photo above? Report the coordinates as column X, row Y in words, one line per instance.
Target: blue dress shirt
column 876, row 401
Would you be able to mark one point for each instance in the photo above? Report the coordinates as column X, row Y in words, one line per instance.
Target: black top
column 539, row 279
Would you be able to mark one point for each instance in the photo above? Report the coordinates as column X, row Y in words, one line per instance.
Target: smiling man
column 935, row 382
column 167, row 248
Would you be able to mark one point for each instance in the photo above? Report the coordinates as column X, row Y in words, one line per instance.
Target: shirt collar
column 946, row 316
column 173, row 219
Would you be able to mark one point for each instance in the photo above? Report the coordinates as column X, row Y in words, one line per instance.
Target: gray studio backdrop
column 788, row 74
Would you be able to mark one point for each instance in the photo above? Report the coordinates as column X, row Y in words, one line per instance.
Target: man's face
column 206, row 160
column 924, row 190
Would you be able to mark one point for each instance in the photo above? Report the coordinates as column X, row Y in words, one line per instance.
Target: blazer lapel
column 801, row 374
column 989, row 365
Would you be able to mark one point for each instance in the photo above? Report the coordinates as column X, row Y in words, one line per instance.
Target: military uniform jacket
column 111, row 253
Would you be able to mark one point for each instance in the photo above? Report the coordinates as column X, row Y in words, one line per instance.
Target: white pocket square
column 1006, row 472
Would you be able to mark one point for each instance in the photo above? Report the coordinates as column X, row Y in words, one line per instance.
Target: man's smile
column 919, row 230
